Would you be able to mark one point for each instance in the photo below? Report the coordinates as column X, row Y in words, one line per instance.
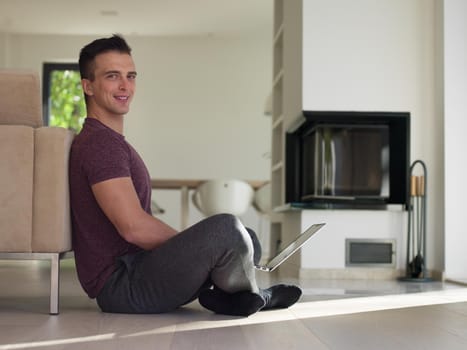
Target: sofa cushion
column 16, row 177
column 20, row 98
column 51, row 213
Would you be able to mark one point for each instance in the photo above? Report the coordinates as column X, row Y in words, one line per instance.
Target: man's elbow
column 128, row 231
column 134, row 233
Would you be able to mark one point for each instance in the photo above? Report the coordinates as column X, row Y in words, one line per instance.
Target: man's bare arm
column 119, row 201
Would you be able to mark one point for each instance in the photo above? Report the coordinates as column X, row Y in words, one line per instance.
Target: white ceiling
column 137, row 17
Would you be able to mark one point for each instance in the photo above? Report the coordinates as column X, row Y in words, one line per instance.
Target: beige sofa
column 34, row 197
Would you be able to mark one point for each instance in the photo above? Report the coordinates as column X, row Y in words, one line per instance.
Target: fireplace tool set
column 416, row 227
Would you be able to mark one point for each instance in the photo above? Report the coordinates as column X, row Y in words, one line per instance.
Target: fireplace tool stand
column 416, row 227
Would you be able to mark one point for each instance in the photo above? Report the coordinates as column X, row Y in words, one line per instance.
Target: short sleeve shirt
column 98, row 153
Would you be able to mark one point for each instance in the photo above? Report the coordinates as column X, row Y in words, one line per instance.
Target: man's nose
column 124, row 82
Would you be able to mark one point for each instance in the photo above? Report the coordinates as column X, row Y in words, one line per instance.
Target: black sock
column 234, row 304
column 280, row 296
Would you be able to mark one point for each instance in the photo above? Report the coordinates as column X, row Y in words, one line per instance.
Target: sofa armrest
column 51, row 204
column 16, row 177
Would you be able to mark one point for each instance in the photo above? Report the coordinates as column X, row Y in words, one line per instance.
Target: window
column 62, row 96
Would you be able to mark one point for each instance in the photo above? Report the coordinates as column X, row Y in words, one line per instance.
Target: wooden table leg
column 184, row 207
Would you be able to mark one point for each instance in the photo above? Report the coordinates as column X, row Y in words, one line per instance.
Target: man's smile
column 122, row 98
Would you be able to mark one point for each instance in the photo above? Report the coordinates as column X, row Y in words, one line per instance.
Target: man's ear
column 87, row 87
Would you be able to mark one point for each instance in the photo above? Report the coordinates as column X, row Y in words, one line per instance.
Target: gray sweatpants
column 217, row 250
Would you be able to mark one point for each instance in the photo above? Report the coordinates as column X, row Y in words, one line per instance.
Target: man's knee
column 229, row 229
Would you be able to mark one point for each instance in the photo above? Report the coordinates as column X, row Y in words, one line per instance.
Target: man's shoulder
column 96, row 138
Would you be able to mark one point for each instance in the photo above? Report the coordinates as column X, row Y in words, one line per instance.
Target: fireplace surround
column 348, row 159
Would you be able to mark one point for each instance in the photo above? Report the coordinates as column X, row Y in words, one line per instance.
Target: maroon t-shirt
column 99, row 153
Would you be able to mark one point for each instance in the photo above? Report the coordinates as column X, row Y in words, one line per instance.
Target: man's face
column 113, row 87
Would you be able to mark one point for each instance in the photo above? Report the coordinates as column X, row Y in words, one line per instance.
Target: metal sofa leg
column 54, row 282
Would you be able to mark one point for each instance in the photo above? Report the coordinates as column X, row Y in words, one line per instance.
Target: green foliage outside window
column 67, row 107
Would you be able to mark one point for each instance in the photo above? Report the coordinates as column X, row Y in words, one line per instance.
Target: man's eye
column 132, row 77
column 112, row 76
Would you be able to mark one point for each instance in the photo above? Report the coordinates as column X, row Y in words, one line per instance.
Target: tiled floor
column 330, row 315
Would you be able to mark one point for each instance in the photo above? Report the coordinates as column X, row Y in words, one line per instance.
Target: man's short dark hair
column 99, row 46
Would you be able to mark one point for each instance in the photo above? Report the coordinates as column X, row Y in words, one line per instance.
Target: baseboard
column 457, row 281
column 356, row 273
column 350, row 273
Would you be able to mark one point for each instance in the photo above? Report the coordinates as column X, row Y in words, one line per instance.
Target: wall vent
column 370, row 252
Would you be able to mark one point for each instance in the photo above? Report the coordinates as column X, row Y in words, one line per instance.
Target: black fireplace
column 348, row 160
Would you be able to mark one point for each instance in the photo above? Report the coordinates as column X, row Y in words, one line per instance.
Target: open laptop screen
column 285, row 253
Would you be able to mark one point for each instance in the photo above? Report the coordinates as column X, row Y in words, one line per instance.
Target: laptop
column 285, row 253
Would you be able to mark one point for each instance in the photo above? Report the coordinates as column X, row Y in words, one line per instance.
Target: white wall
column 198, row 110
column 4, row 45
column 375, row 55
column 455, row 73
